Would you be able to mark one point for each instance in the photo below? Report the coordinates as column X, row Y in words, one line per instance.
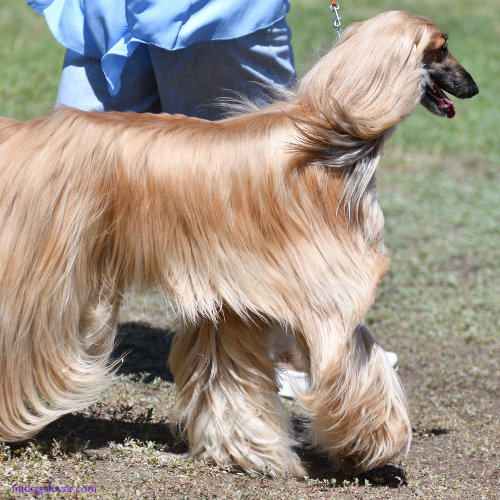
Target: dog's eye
column 444, row 48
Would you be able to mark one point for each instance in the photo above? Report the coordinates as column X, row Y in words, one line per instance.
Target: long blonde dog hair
column 265, row 219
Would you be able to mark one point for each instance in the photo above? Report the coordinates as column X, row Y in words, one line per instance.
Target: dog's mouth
column 443, row 102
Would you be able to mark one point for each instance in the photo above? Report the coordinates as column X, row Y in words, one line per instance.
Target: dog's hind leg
column 53, row 361
column 98, row 323
column 358, row 409
column 227, row 397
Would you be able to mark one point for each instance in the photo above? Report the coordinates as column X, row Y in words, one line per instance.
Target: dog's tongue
column 443, row 100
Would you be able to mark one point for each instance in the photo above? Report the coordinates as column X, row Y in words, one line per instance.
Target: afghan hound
column 259, row 221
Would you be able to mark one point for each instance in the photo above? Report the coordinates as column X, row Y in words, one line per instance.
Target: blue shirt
column 111, row 30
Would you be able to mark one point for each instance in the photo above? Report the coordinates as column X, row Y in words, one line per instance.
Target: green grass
column 438, row 308
column 30, row 62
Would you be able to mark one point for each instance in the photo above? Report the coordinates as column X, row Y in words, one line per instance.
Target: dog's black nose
column 475, row 90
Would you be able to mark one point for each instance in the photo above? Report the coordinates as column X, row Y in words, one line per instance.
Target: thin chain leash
column 334, row 7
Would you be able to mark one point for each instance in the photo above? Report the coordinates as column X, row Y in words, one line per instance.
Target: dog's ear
column 372, row 78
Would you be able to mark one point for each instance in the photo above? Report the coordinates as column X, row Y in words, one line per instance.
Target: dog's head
column 380, row 70
column 444, row 73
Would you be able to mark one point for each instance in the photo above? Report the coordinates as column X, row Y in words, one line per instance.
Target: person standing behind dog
column 169, row 56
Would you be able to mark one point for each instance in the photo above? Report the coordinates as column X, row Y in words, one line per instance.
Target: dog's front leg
column 227, row 397
column 358, row 409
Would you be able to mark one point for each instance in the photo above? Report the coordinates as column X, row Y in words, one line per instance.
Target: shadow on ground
column 143, row 350
column 320, row 469
column 78, row 431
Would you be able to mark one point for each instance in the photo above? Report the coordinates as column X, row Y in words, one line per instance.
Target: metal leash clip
column 334, row 7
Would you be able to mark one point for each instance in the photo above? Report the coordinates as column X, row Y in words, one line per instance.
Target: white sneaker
column 288, row 379
column 392, row 357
